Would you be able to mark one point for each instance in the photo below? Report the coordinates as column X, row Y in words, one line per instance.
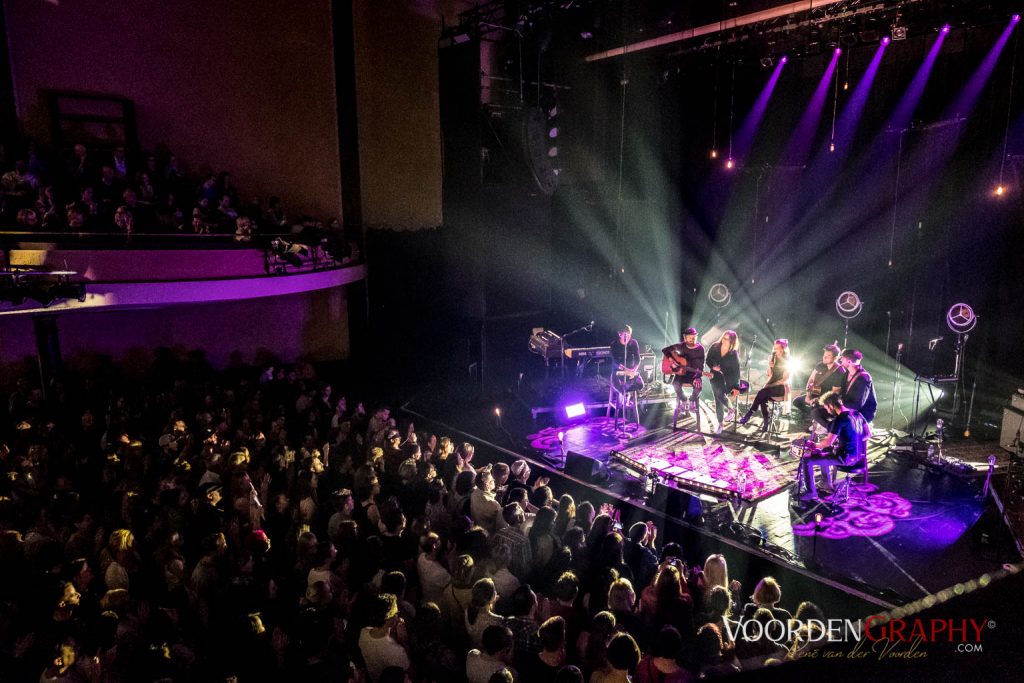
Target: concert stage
column 910, row 531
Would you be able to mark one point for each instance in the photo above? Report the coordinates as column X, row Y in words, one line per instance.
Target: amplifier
column 1013, row 429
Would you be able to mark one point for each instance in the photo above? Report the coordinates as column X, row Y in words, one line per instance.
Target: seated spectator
column 713, row 657
column 480, row 611
column 124, row 221
column 382, row 643
column 661, row 665
column 623, row 658
column 767, row 595
column 544, row 666
column 495, row 654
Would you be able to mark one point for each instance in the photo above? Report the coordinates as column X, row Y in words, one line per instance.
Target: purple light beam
column 854, row 109
column 748, row 129
column 798, row 148
column 968, row 97
column 907, row 105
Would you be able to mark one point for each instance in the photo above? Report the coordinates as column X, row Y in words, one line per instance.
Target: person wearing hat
column 685, row 361
column 828, row 376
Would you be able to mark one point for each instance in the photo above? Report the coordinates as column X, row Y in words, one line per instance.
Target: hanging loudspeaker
column 719, row 295
column 961, row 318
column 849, row 305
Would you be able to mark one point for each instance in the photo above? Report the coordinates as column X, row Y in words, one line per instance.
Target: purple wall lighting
column 574, row 410
column 847, row 126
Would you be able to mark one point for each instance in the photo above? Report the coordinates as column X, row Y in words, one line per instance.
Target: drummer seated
column 845, row 443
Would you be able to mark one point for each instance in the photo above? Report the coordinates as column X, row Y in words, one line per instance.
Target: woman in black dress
column 777, row 385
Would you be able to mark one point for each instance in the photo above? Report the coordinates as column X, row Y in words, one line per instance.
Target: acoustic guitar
column 674, row 364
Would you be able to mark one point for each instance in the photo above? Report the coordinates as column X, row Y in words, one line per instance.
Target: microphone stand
column 895, row 387
column 746, row 371
column 566, row 336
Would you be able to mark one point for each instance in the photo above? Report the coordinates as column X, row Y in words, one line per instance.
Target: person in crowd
column 544, row 666
column 495, row 655
column 383, row 642
column 714, row 657
column 623, row 659
column 767, row 595
column 661, row 665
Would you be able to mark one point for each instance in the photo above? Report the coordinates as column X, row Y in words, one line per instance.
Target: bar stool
column 621, row 404
column 685, row 406
column 842, row 491
column 776, row 411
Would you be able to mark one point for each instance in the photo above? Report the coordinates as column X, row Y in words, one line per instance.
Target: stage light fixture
column 729, row 164
column 497, row 411
column 831, row 146
column 714, row 153
column 561, row 437
column 784, row 59
column 574, row 410
column 898, row 33
column 796, row 364
column 1000, row 190
column 946, row 29
column 886, row 39
column 839, row 50
column 1016, row 18
column 767, row 62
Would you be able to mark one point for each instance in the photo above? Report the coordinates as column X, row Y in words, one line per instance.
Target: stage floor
column 909, row 532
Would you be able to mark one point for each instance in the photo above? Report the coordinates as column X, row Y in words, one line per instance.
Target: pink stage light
column 839, row 50
column 886, row 40
column 575, row 410
column 946, row 29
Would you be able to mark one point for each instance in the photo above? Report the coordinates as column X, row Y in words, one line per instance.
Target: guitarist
column 626, row 362
column 828, row 377
column 857, row 392
column 685, row 362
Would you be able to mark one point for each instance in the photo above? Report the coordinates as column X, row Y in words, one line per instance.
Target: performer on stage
column 686, row 362
column 626, row 362
column 724, row 361
column 828, row 376
column 845, row 444
column 858, row 390
column 777, row 385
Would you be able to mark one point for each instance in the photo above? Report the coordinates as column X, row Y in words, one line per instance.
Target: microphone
column 933, row 342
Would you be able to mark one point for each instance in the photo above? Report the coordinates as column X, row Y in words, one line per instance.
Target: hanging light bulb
column 729, row 164
column 1000, row 190
column 831, row 146
column 714, row 153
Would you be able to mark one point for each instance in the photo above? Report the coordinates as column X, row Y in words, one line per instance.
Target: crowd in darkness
column 110, row 191
column 263, row 525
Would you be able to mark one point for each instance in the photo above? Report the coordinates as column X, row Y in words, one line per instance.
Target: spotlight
column 831, row 146
column 714, row 153
column 553, row 133
column 839, row 51
column 899, row 32
column 846, row 85
column 796, row 364
column 885, row 40
column 561, row 437
column 497, row 411
column 1000, row 190
column 729, row 164
column 945, row 29
column 784, row 59
column 1016, row 18
column 575, row 410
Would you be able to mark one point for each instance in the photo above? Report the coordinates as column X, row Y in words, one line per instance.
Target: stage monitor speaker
column 676, row 503
column 583, row 467
column 1013, row 429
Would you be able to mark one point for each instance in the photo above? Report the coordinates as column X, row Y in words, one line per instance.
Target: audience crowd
column 90, row 190
column 264, row 526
